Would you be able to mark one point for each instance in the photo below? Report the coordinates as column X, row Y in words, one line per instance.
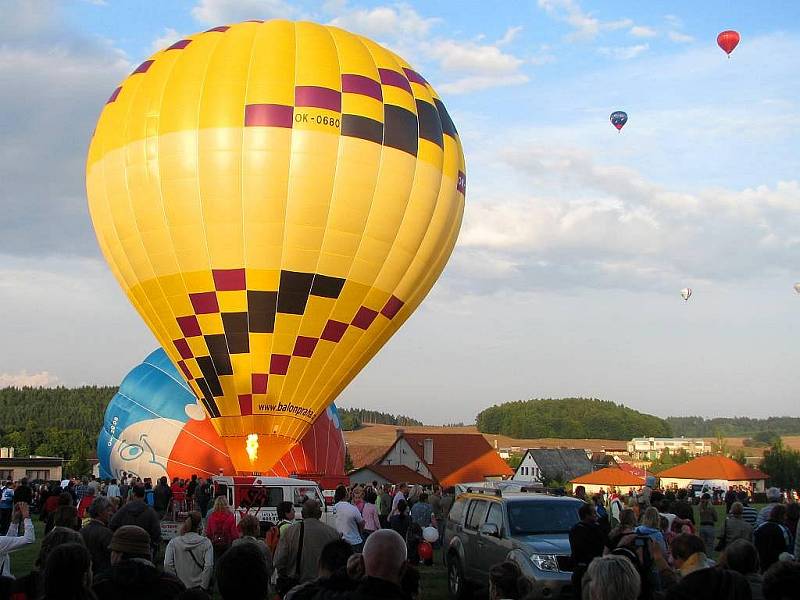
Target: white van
column 257, row 496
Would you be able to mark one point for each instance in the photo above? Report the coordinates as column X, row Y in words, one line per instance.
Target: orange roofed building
column 605, row 479
column 435, row 458
column 717, row 470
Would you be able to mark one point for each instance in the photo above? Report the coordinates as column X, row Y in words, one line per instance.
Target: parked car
column 487, row 526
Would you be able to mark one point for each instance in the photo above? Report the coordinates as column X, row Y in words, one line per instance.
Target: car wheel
column 456, row 584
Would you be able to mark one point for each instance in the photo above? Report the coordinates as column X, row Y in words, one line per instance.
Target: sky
column 576, row 239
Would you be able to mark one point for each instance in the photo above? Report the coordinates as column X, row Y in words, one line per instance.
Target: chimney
column 427, row 451
column 399, row 433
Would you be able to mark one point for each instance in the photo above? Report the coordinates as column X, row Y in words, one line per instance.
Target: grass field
column 433, row 581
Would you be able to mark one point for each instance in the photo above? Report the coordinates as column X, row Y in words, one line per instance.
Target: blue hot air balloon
column 618, row 119
column 155, row 427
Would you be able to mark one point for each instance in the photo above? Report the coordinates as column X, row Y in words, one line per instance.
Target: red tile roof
column 610, row 476
column 363, row 454
column 397, row 474
column 460, row 457
column 714, row 467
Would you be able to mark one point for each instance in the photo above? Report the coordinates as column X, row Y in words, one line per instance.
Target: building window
column 6, row 474
column 37, row 474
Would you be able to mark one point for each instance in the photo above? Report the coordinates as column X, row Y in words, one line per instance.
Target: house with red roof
column 435, row 459
column 717, row 470
column 607, row 478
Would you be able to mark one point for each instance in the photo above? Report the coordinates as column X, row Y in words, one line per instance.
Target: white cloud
column 25, row 379
column 220, row 12
column 480, row 66
column 585, row 25
column 396, row 22
column 595, row 224
column 642, row 31
column 166, row 39
column 509, row 36
column 475, row 83
column 624, row 52
column 469, row 57
column 678, row 37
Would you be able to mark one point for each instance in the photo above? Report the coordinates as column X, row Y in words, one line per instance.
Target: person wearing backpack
column 190, row 556
column 221, row 526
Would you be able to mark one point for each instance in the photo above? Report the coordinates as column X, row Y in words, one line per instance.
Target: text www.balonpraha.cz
column 299, row 411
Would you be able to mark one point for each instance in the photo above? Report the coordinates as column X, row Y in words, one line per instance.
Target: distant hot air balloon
column 276, row 199
column 728, row 40
column 686, row 293
column 154, row 427
column 618, row 119
column 797, row 287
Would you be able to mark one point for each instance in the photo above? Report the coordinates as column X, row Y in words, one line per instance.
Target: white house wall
column 527, row 470
column 403, row 454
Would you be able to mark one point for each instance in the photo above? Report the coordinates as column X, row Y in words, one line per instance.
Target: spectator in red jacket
column 179, row 493
column 85, row 502
column 221, row 526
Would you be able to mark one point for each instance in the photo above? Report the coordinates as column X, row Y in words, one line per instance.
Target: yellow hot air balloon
column 276, row 199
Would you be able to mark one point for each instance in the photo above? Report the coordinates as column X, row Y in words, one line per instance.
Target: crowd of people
column 103, row 540
column 661, row 547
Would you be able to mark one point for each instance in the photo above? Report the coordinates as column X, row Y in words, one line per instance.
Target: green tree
column 514, row 460
column 782, row 465
column 669, row 459
column 739, row 456
column 569, row 418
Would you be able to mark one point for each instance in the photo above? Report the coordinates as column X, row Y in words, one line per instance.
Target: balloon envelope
column 728, row 40
column 154, row 427
column 430, row 534
column 686, row 293
column 618, row 119
column 425, row 551
column 275, row 199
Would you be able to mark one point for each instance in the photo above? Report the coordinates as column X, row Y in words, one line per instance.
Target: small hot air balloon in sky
column 728, row 40
column 618, row 119
column 686, row 293
column 797, row 287
column 155, row 427
column 275, row 199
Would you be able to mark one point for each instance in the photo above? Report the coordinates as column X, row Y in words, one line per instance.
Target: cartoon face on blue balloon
column 146, row 416
column 155, row 427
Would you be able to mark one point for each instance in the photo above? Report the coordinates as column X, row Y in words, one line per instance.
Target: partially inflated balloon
column 618, row 119
column 154, row 427
column 275, row 199
column 728, row 40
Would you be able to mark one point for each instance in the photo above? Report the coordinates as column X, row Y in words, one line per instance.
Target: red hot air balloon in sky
column 728, row 40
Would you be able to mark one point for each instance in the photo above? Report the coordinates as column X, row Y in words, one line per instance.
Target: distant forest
column 53, row 421
column 65, row 422
column 733, row 427
column 353, row 418
column 570, row 418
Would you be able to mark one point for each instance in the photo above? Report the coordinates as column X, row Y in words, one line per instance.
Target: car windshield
column 528, row 518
